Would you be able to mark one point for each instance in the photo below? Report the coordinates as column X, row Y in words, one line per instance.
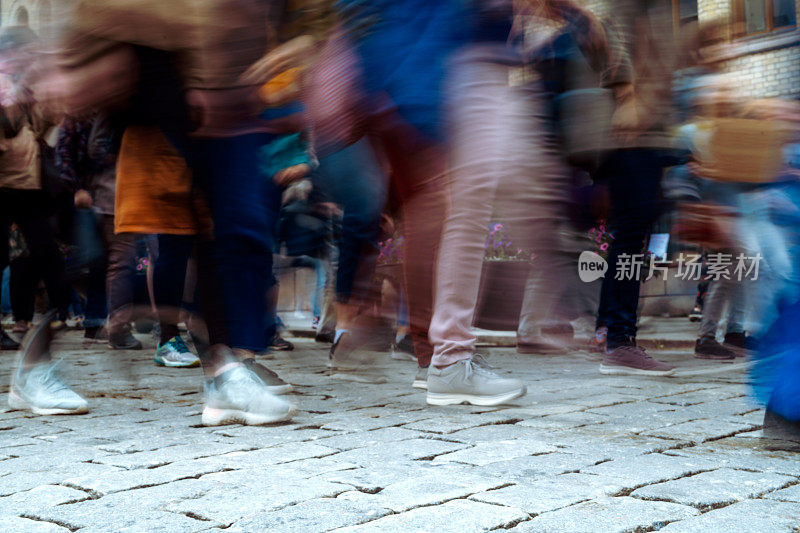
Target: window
column 687, row 10
column 683, row 12
column 751, row 17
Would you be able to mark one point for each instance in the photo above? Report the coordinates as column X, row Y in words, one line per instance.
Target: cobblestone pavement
column 581, row 452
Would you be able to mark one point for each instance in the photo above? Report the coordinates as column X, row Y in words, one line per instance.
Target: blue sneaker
column 175, row 353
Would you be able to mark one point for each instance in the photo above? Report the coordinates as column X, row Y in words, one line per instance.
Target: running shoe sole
column 173, row 364
column 220, row 417
column 448, row 398
column 420, row 384
column 628, row 371
column 708, row 357
column 18, row 404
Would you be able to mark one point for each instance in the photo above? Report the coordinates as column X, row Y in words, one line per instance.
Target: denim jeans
column 244, row 207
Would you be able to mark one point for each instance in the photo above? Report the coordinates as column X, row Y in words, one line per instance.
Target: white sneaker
column 40, row 390
column 175, row 353
column 238, row 396
column 471, row 381
column 421, row 379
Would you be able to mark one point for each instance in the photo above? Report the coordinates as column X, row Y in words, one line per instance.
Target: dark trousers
column 634, row 184
column 169, row 278
column 22, row 286
column 244, row 207
column 110, row 285
column 29, row 210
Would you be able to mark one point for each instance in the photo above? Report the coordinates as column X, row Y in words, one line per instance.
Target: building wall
column 772, row 71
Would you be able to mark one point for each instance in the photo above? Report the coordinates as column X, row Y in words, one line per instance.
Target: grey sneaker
column 635, row 361
column 271, row 379
column 238, row 396
column 175, row 353
column 421, row 379
column 40, row 390
column 471, row 381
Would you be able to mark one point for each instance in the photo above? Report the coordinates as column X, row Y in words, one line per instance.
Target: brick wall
column 775, row 73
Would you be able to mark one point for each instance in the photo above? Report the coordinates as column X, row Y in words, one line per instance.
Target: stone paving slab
column 752, row 516
column 458, row 515
column 322, row 514
column 581, row 452
column 610, row 515
column 551, row 493
column 789, row 494
column 718, row 487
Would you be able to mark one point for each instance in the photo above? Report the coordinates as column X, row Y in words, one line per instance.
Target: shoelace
column 478, row 365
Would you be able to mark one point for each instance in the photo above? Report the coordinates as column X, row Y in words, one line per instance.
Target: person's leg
column 634, row 190
column 319, row 287
column 33, row 221
column 168, row 281
column 634, row 184
column 6, row 342
column 22, row 285
column 122, row 249
column 500, row 162
column 244, row 208
column 715, row 301
column 707, row 347
column 355, row 181
column 233, row 278
column 418, row 171
column 96, row 297
column 169, row 273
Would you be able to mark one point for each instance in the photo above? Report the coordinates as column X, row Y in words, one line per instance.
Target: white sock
column 339, row 333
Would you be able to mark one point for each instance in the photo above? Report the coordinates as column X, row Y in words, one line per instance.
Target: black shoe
column 123, row 341
column 281, row 345
column 6, row 342
column 740, row 341
column 708, row 348
column 779, row 433
column 697, row 314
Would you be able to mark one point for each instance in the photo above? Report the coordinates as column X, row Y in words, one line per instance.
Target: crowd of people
column 158, row 161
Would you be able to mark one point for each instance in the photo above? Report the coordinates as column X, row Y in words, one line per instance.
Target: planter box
column 500, row 296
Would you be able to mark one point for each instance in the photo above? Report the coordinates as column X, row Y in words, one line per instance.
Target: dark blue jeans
column 634, row 184
column 244, row 207
column 353, row 180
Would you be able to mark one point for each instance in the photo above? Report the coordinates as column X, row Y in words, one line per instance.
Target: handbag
column 584, row 112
